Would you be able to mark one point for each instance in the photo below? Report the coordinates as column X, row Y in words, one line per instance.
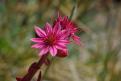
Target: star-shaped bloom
column 69, row 26
column 50, row 39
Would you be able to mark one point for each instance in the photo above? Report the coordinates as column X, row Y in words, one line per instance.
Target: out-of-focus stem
column 33, row 69
column 73, row 11
column 39, row 76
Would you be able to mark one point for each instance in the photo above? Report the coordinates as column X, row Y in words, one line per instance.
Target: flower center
column 50, row 40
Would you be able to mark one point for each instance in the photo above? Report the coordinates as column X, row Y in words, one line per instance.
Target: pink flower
column 51, row 39
column 69, row 26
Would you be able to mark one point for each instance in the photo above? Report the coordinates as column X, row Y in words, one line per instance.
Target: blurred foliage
column 99, row 59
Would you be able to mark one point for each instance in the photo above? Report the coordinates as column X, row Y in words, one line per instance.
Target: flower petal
column 57, row 28
column 64, row 34
column 53, row 51
column 76, row 39
column 64, row 41
column 40, row 32
column 37, row 46
column 37, row 40
column 61, row 47
column 43, row 51
column 48, row 28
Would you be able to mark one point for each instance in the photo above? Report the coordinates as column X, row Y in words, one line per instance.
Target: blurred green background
column 98, row 60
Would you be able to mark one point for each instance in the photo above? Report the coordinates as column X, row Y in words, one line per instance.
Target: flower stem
column 73, row 10
column 33, row 69
column 39, row 76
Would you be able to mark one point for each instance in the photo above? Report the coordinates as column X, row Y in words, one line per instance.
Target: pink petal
column 64, row 34
column 59, row 17
column 43, row 51
column 65, row 18
column 53, row 51
column 48, row 28
column 37, row 40
column 37, row 46
column 76, row 39
column 57, row 28
column 61, row 47
column 61, row 44
column 40, row 32
column 64, row 41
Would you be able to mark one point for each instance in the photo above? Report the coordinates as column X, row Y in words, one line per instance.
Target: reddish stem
column 33, row 69
column 39, row 76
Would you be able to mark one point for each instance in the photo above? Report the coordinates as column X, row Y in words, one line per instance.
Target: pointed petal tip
column 58, row 14
column 48, row 28
column 36, row 46
column 33, row 46
column 37, row 40
column 47, row 23
column 36, row 27
column 39, row 31
column 43, row 51
column 53, row 55
column 32, row 39
column 82, row 44
column 53, row 51
column 76, row 39
column 41, row 54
